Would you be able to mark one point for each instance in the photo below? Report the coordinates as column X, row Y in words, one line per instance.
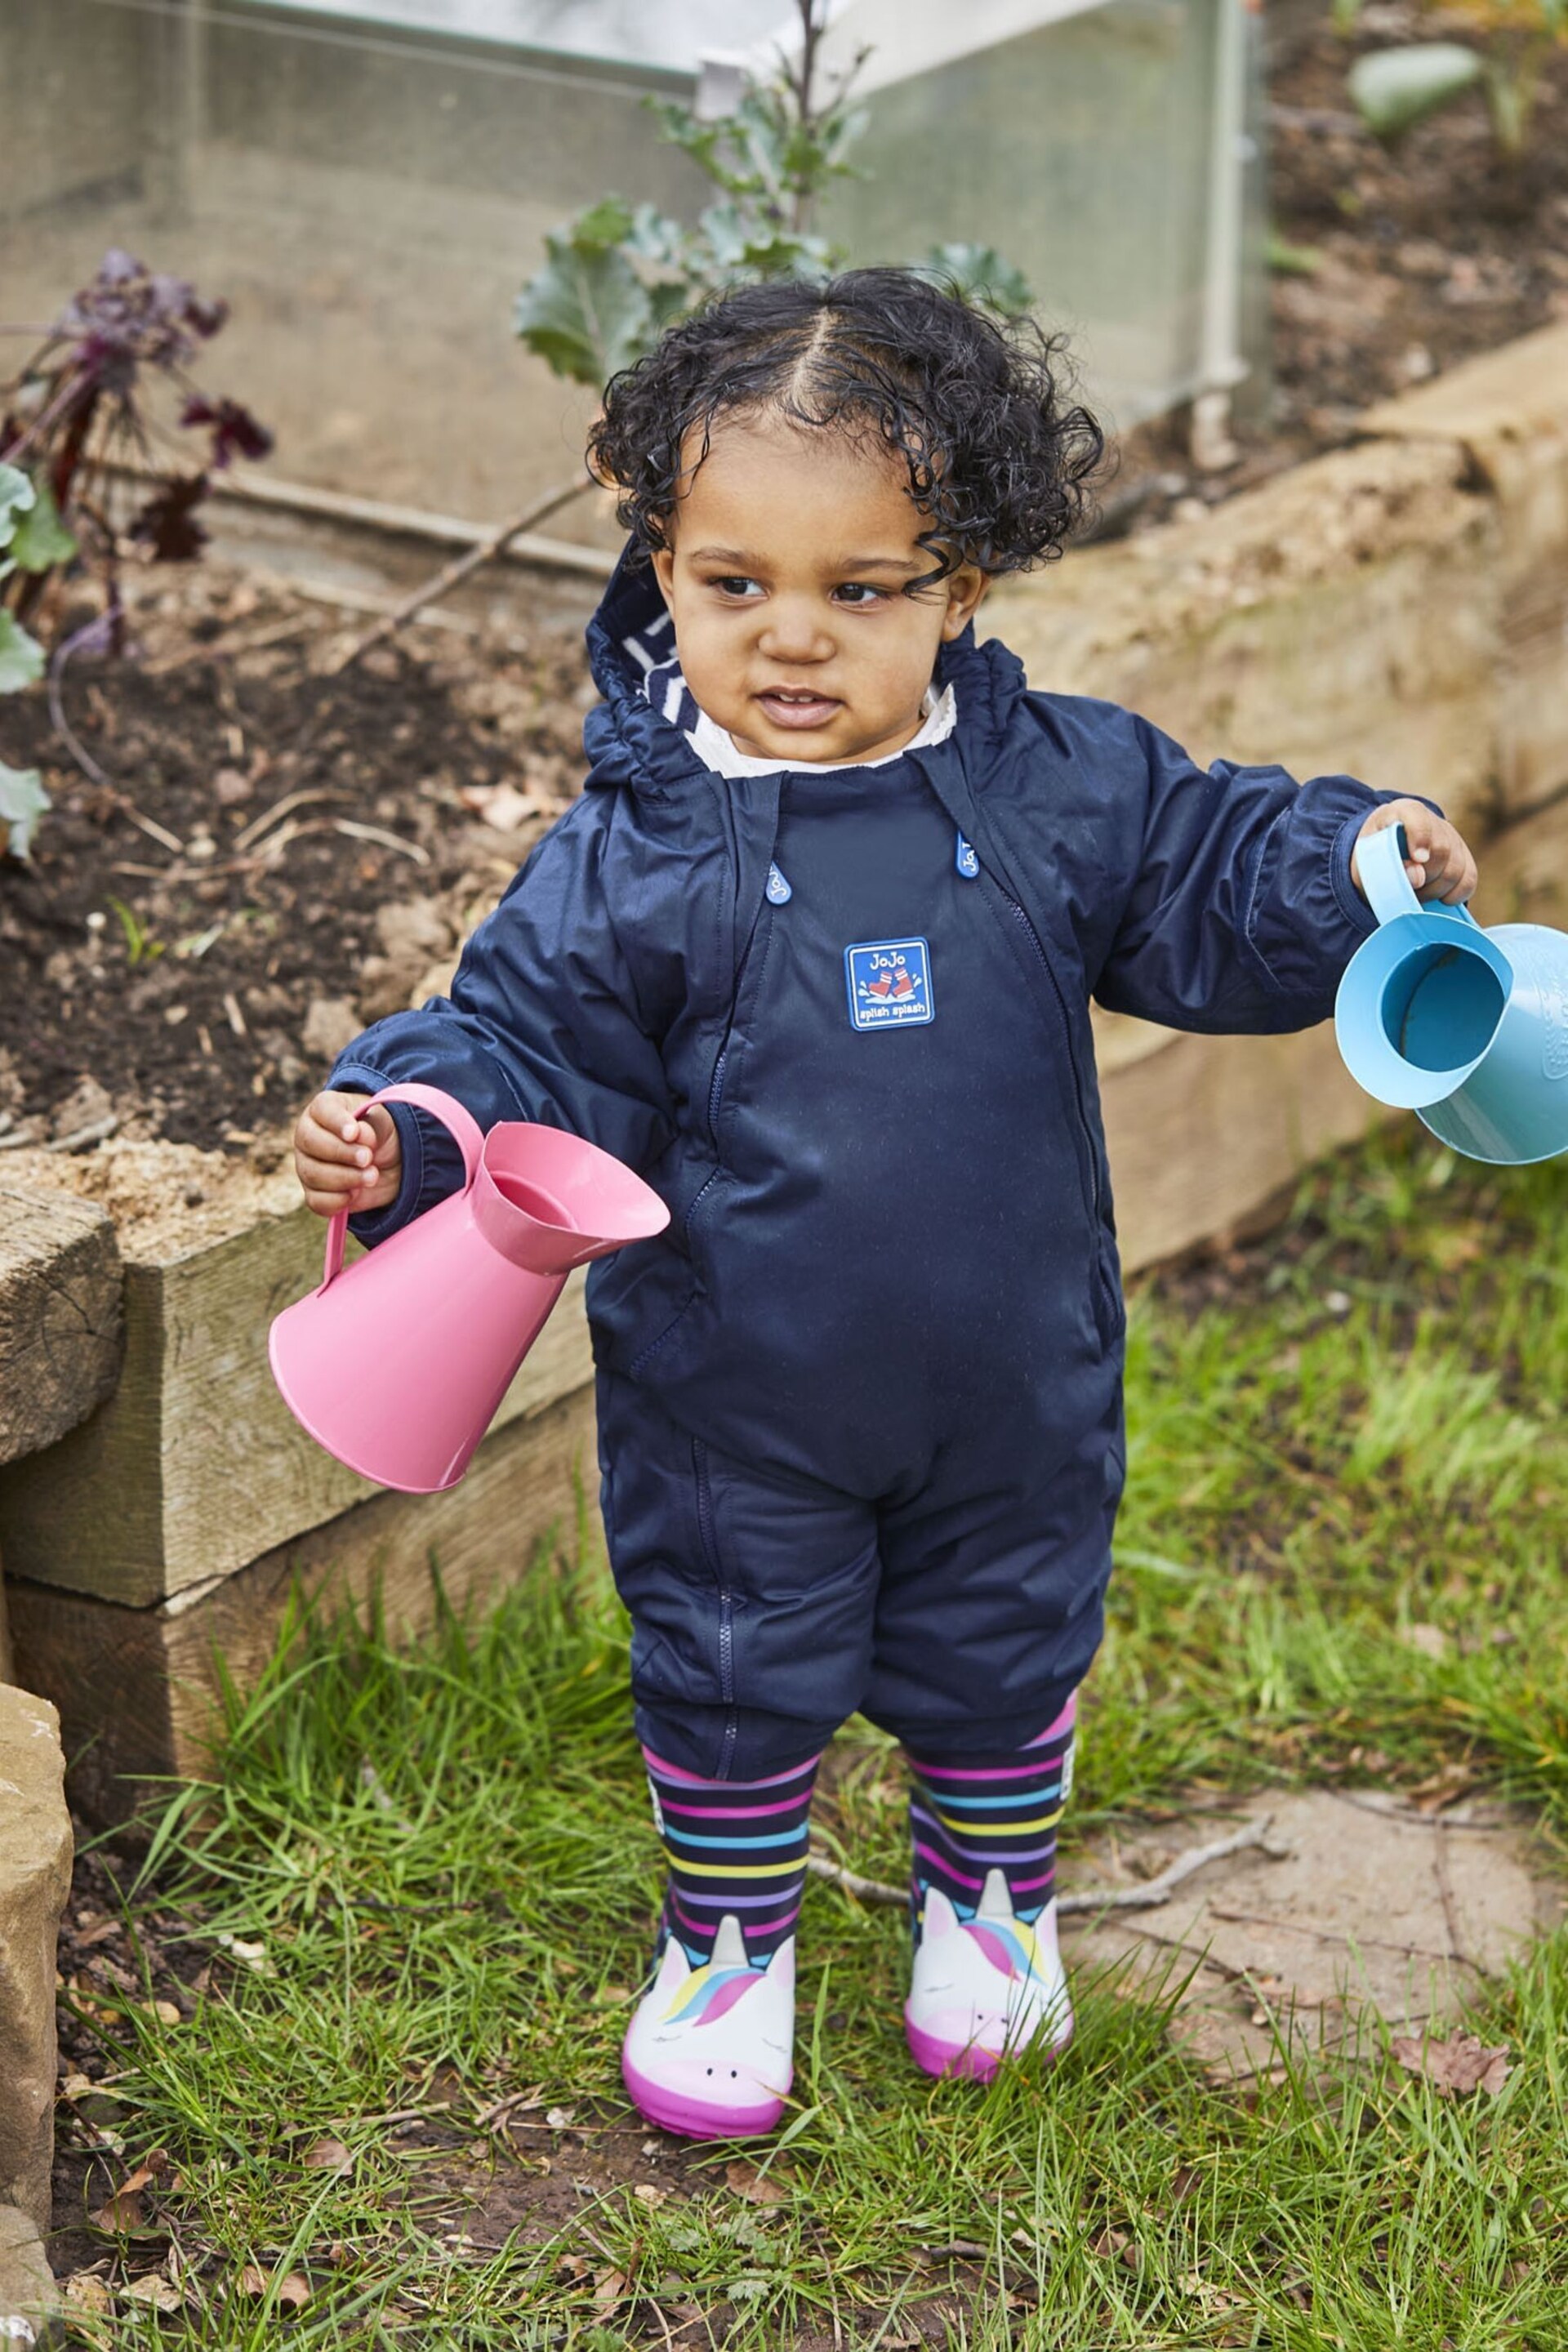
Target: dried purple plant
column 77, row 419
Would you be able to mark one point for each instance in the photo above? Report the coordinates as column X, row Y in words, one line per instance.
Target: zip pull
column 965, row 860
column 779, row 893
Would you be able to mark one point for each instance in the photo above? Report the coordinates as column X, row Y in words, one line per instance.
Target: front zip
column 716, row 1091
column 726, row 1603
column 1019, row 916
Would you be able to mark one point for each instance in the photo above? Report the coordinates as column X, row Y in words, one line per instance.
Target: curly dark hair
column 974, row 406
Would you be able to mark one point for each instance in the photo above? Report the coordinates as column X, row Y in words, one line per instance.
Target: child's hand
column 1438, row 864
column 347, row 1157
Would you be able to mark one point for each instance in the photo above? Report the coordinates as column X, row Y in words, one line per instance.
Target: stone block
column 136, row 1688
column 59, row 1314
column 195, row 1468
column 1509, row 412
column 28, row 2297
column 35, row 1880
column 1345, row 617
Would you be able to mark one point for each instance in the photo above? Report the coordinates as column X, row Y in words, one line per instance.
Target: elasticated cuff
column 374, row 1226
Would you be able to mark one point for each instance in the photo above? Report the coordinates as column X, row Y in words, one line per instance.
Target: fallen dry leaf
column 1431, row 1641
column 502, row 805
column 295, row 2290
column 647, row 2194
column 559, row 2118
column 756, row 2188
column 93, row 2007
column 252, row 1956
column 1454, row 2067
column 77, row 2086
column 1212, row 2298
column 164, row 2012
column 122, row 2210
column 327, row 2155
column 610, row 2291
column 85, row 2291
column 156, row 2290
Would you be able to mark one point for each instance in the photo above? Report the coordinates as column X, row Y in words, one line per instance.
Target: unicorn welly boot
column 985, row 1987
column 709, row 2049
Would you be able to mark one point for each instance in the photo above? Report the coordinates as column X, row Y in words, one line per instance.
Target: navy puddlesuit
column 861, row 1417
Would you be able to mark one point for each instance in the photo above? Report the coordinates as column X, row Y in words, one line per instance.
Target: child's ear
column 965, row 587
column 664, row 572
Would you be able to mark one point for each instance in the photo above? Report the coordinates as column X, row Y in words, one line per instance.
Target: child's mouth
column 786, row 707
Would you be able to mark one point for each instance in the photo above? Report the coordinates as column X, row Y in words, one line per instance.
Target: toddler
column 813, row 953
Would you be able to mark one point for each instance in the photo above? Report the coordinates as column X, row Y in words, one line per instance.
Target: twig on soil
column 356, row 600
column 1151, row 1893
column 83, row 757
column 384, row 840
column 281, row 809
column 96, row 1131
column 458, row 568
column 237, row 641
column 491, row 2118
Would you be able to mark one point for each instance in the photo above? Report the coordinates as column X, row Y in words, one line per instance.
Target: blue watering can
column 1467, row 1028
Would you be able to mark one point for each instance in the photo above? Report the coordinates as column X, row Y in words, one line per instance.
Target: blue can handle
column 1387, row 888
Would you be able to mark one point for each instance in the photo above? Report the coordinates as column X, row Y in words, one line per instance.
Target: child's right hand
column 347, row 1157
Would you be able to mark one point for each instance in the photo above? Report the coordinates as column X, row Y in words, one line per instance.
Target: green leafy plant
column 140, row 946
column 1395, row 88
column 32, row 538
column 619, row 274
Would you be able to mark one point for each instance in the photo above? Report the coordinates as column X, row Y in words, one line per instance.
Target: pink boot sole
column 963, row 2061
column 695, row 2118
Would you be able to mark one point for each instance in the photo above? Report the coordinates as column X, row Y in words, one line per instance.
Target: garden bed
column 1405, row 264
column 337, row 836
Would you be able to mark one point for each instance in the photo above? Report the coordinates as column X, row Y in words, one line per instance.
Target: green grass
column 1364, row 1436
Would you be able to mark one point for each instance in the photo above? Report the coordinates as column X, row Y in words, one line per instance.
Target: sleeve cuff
column 374, row 1226
column 1351, row 905
column 1347, row 897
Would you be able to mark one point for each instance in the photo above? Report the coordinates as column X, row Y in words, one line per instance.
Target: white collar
column 716, row 749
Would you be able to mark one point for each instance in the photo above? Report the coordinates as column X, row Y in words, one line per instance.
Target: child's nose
column 795, row 633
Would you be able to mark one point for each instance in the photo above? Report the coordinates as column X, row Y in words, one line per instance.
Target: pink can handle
column 463, row 1128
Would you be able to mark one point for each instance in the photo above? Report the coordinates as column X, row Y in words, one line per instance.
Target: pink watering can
column 397, row 1364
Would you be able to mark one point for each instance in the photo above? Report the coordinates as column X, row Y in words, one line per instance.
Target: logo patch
column 890, row 983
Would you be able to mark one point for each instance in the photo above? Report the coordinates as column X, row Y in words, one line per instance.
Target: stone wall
column 35, row 1879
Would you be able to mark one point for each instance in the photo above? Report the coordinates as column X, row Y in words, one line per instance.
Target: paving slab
column 1378, row 1911
column 35, row 1879
column 27, row 2295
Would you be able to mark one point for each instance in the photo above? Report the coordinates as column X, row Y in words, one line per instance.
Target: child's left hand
column 1439, row 864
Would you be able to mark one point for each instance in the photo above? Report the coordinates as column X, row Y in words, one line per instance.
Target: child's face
column 792, row 546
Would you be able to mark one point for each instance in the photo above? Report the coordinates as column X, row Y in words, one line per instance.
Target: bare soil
column 1390, row 267
column 338, row 837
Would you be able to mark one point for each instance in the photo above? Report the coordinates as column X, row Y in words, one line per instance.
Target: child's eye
column 735, row 585
column 856, row 594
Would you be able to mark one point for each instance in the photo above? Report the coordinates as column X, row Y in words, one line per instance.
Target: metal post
column 177, row 58
column 1220, row 364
